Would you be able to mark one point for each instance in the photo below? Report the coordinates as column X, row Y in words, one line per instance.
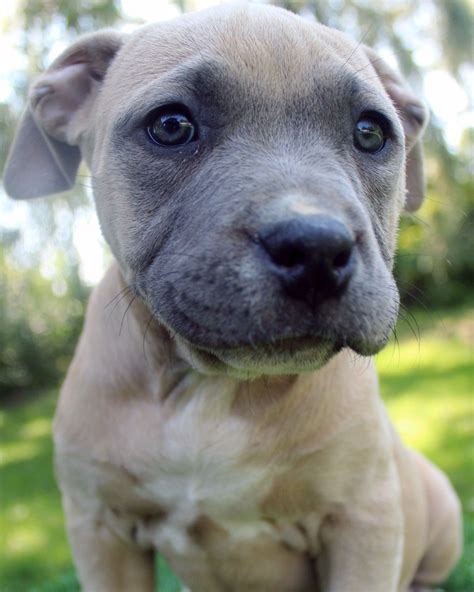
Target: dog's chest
column 204, row 465
column 206, row 483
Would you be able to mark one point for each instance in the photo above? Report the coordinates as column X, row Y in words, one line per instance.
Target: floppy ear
column 45, row 156
column 414, row 117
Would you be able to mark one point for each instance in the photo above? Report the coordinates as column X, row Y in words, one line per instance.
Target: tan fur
column 294, row 482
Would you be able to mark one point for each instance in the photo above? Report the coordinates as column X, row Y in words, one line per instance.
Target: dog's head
column 249, row 171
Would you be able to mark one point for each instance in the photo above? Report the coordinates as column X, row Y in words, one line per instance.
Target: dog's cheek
column 138, row 207
column 383, row 197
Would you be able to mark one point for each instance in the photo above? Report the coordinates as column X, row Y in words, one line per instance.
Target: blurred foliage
column 38, row 332
column 457, row 28
column 41, row 314
column 40, row 323
column 434, row 261
column 78, row 16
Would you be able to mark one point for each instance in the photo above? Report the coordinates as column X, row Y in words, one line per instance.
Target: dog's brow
column 357, row 87
column 208, row 80
column 354, row 85
column 361, row 91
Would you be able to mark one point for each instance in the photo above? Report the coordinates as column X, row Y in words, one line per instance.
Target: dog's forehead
column 260, row 44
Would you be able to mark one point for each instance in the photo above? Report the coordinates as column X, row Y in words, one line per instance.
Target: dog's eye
column 369, row 135
column 171, row 126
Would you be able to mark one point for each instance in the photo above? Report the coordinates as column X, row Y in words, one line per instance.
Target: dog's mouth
column 227, row 327
column 289, row 350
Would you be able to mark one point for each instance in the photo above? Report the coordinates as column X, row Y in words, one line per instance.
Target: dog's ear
column 414, row 117
column 45, row 156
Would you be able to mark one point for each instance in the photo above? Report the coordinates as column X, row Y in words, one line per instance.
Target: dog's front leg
column 363, row 553
column 106, row 563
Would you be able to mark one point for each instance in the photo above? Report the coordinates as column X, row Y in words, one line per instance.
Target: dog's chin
column 276, row 359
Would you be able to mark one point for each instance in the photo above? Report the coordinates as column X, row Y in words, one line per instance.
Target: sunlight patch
column 36, row 428
column 25, row 539
column 18, row 451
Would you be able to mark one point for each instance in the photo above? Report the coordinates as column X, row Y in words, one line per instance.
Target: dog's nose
column 312, row 256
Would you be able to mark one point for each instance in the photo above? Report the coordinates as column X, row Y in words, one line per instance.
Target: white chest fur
column 204, row 466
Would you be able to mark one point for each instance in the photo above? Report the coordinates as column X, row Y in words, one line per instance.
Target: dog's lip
column 287, row 347
column 283, row 345
column 285, row 356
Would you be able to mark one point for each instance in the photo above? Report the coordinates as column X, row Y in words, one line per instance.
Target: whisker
column 433, row 256
column 379, row 59
column 369, row 30
column 122, row 291
column 122, row 297
column 410, row 294
column 124, row 314
column 419, row 220
column 144, row 338
column 396, row 344
column 408, row 317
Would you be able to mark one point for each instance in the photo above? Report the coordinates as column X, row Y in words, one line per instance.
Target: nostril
column 289, row 257
column 342, row 259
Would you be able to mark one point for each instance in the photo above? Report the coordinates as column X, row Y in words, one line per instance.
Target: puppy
column 249, row 171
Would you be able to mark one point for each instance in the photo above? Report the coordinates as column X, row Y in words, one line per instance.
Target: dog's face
column 249, row 172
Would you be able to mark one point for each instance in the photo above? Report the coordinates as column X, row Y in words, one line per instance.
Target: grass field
column 428, row 387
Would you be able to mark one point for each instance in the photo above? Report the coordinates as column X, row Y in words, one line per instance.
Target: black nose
column 312, row 256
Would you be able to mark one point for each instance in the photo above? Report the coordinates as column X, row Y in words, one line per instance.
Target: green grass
column 428, row 385
column 428, row 388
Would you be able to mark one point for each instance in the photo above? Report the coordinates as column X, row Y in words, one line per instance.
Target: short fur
column 214, row 419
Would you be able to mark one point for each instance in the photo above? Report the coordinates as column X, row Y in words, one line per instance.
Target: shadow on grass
column 462, row 579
